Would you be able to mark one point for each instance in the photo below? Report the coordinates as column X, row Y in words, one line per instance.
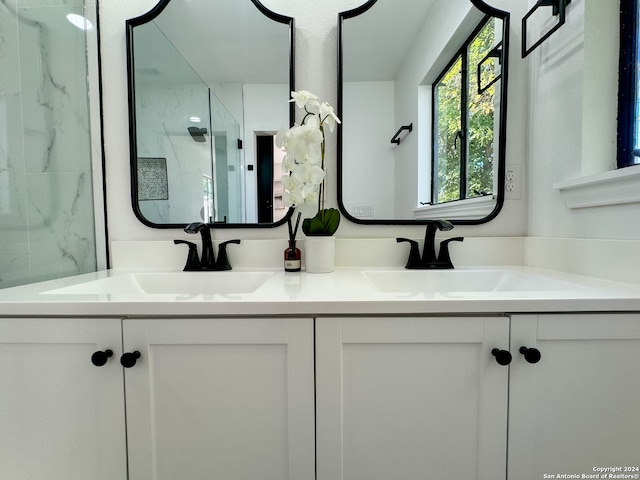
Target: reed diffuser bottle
column 292, row 254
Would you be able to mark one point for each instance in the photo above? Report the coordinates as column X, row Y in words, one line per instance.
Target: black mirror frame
column 147, row 17
column 487, row 9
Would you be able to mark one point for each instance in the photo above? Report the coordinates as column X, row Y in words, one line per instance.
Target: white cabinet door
column 228, row 399
column 578, row 408
column 61, row 417
column 411, row 398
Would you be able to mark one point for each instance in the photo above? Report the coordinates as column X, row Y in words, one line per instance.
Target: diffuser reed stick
column 294, row 231
column 292, row 255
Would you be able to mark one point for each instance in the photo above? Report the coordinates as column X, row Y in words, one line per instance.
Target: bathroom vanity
column 358, row 374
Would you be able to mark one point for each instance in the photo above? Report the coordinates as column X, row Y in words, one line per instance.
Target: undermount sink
column 169, row 283
column 412, row 281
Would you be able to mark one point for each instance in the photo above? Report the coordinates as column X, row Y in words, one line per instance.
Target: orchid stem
column 322, row 189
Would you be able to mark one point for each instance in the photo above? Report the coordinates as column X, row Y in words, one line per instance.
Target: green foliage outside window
column 455, row 113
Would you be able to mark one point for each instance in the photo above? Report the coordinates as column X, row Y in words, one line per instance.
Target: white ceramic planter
column 319, row 254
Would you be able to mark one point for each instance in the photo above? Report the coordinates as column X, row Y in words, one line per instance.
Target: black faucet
column 428, row 260
column 207, row 261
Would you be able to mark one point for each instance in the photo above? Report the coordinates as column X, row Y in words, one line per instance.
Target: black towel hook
column 396, row 138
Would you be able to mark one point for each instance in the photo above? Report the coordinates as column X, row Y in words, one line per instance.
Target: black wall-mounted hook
column 495, row 52
column 559, row 8
column 396, row 137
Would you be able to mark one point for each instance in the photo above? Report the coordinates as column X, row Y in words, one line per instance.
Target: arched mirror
column 209, row 82
column 422, row 98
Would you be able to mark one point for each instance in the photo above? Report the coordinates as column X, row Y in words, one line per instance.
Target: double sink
column 386, row 281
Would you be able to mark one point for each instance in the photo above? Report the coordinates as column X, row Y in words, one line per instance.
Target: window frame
column 628, row 87
column 462, row 54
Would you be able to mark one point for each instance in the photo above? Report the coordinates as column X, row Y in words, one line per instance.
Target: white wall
column 369, row 155
column 316, row 52
column 260, row 103
column 573, row 124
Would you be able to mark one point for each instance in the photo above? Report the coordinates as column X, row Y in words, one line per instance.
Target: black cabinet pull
column 128, row 360
column 503, row 357
column 531, row 355
column 99, row 358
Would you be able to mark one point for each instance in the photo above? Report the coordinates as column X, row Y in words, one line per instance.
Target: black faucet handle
column 223, row 259
column 442, row 224
column 193, row 261
column 195, row 227
column 444, row 257
column 414, row 254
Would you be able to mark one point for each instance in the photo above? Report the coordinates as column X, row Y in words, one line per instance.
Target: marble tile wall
column 162, row 113
column 46, row 193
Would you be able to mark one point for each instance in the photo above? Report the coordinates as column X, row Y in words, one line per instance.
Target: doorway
column 269, row 171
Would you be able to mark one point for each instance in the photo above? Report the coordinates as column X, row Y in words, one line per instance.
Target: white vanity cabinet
column 220, row 398
column 411, row 397
column 61, row 416
column 578, row 408
column 384, row 397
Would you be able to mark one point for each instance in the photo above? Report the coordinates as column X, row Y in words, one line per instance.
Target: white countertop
column 347, row 291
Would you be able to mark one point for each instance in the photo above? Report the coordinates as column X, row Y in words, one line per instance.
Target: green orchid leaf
column 312, row 226
column 331, row 220
column 325, row 222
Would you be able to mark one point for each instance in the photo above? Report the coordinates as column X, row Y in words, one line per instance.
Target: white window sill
column 609, row 188
column 473, row 208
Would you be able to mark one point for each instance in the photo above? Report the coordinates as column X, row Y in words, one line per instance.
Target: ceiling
column 225, row 41
column 231, row 41
column 397, row 24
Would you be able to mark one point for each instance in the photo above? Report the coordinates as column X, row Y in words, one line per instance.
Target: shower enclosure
column 189, row 163
column 49, row 143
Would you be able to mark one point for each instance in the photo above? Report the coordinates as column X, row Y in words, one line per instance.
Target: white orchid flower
column 301, row 140
column 311, row 194
column 306, row 100
column 287, row 163
column 303, row 163
column 293, row 198
column 314, row 154
column 309, row 205
column 288, row 182
column 281, row 137
column 299, row 173
column 315, row 175
column 307, row 174
column 328, row 116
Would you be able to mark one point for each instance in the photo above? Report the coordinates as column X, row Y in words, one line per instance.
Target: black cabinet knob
column 531, row 355
column 128, row 360
column 99, row 358
column 503, row 357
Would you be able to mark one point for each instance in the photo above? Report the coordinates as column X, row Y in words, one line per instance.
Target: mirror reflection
column 423, row 111
column 209, row 82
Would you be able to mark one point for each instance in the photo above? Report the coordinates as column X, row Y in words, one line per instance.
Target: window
column 464, row 119
column 208, row 213
column 628, row 93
